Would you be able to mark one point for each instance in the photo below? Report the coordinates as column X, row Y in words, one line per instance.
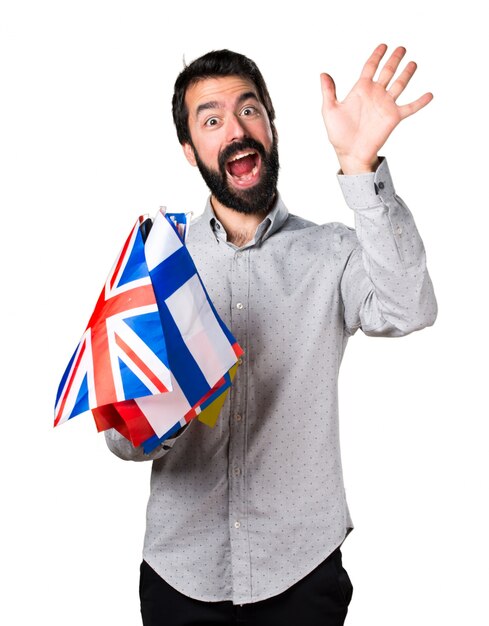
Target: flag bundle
column 155, row 353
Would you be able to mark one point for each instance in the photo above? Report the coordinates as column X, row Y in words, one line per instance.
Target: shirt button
column 240, row 361
column 399, row 230
column 238, row 418
column 381, row 185
column 237, row 524
column 239, row 305
column 237, row 471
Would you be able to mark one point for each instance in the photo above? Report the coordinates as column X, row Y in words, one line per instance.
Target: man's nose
column 235, row 129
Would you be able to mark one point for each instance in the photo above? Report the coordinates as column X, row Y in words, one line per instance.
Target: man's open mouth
column 243, row 167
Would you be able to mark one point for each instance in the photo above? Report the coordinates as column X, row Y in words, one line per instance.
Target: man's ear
column 189, row 153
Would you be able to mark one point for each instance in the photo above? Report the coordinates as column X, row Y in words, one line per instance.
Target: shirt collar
column 270, row 224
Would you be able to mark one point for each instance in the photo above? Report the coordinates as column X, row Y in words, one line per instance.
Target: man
column 245, row 521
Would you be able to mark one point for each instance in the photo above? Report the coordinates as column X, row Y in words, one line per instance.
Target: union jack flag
column 155, row 353
column 122, row 353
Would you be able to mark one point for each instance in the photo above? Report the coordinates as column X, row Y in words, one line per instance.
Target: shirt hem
column 240, row 600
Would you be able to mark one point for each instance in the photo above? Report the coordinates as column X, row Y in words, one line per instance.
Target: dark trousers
column 319, row 599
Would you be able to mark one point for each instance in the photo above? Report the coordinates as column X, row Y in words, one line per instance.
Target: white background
column 87, row 144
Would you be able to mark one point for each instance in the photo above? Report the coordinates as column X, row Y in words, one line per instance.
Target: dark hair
column 214, row 64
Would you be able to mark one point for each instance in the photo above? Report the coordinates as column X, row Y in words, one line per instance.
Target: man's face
column 232, row 143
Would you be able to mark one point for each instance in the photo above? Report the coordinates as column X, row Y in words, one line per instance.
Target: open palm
column 359, row 125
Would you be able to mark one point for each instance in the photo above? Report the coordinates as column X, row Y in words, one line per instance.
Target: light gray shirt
column 243, row 511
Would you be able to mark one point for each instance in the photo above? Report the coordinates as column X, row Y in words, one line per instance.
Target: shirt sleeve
column 124, row 449
column 386, row 288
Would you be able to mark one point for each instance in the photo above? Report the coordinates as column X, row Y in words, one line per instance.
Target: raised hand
column 359, row 126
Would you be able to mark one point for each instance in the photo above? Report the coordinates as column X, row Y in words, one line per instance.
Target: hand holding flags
column 155, row 353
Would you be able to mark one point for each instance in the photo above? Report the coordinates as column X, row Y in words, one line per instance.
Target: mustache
column 239, row 146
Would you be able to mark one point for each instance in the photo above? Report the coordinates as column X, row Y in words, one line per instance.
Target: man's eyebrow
column 207, row 105
column 248, row 95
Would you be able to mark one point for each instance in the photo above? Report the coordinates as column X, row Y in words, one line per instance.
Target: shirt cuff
column 366, row 191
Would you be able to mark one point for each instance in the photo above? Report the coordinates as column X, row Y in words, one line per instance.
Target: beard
column 256, row 200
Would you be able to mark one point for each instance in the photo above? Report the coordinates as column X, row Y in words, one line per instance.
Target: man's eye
column 212, row 121
column 247, row 111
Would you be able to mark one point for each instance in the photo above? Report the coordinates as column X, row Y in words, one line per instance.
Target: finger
column 391, row 66
column 401, row 82
column 408, row 109
column 329, row 91
column 372, row 63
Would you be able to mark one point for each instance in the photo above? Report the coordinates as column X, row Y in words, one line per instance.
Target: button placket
column 237, row 428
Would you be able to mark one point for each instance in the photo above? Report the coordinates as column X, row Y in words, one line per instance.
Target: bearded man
column 245, row 521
